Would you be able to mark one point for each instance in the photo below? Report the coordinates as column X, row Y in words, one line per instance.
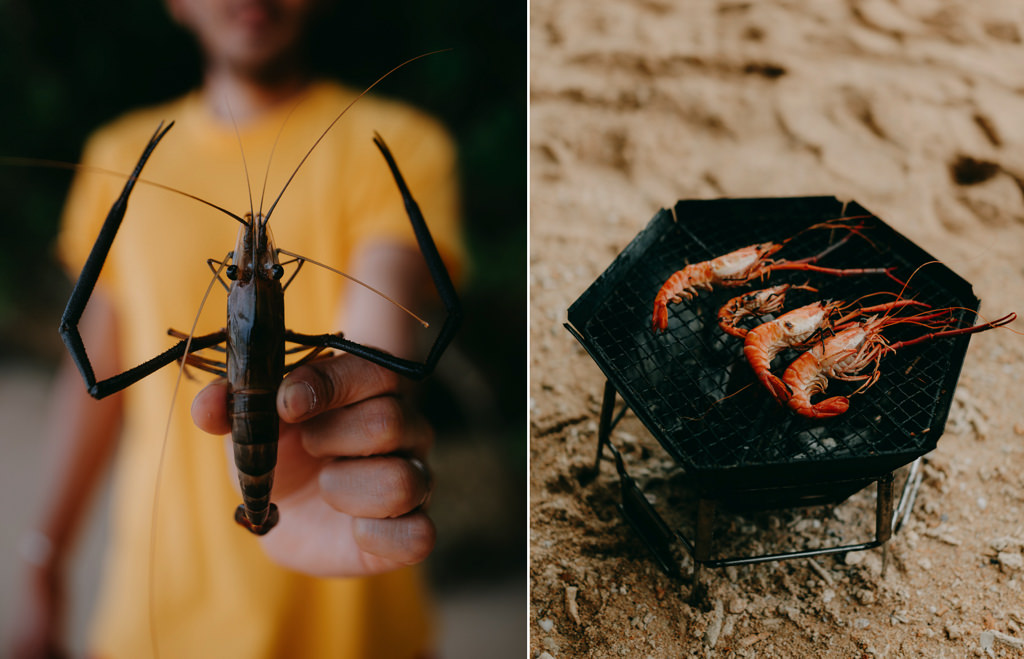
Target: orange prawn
column 846, row 354
column 795, row 329
column 753, row 304
column 740, row 267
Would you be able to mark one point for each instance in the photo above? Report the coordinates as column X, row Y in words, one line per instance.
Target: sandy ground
column 478, row 618
column 912, row 108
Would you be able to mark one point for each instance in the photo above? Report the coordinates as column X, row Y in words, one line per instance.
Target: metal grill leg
column 705, row 528
column 604, row 431
column 702, row 545
column 883, row 516
column 884, row 508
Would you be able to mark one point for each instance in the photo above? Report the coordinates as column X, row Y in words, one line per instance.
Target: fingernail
column 299, row 399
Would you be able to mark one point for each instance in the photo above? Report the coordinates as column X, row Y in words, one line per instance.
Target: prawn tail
column 659, row 321
column 271, row 519
column 779, row 389
column 800, row 403
column 760, row 360
column 254, row 434
column 732, row 330
column 680, row 286
column 256, row 513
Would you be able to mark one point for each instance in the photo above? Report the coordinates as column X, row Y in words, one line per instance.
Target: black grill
column 694, row 391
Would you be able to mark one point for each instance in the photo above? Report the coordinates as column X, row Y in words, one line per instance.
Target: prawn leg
column 442, row 282
column 847, row 320
column 823, row 253
column 999, row 322
column 836, row 272
column 87, row 283
column 182, row 335
column 311, row 354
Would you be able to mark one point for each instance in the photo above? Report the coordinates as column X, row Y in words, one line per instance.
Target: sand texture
column 915, row 109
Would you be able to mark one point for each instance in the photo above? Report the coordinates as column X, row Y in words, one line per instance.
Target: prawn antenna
column 835, row 223
column 357, row 281
column 713, row 405
column 78, row 167
column 160, row 461
column 337, row 118
column 245, row 165
column 273, row 148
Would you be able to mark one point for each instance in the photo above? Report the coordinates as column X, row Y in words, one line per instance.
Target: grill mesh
column 696, row 393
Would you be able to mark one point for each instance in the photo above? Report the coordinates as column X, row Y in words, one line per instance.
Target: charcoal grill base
column 659, row 538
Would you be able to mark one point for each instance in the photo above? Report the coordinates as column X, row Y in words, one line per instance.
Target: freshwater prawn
column 254, row 338
column 744, row 265
column 849, row 352
column 753, row 304
column 797, row 329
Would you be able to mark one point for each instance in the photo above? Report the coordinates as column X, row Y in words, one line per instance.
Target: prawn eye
column 231, row 272
column 276, row 271
column 788, row 325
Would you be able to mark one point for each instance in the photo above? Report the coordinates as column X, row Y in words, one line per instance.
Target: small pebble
column 737, row 605
column 1011, row 560
column 861, row 623
column 717, row 616
column 547, row 624
column 570, row 604
column 1007, row 640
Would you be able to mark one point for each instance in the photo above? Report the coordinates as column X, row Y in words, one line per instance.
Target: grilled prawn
column 753, row 304
column 740, row 267
column 846, row 354
column 796, row 329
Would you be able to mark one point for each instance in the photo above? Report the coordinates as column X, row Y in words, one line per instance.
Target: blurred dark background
column 66, row 67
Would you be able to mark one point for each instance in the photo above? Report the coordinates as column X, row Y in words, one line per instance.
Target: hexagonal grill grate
column 692, row 388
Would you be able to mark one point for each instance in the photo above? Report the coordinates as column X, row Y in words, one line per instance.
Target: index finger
column 328, row 384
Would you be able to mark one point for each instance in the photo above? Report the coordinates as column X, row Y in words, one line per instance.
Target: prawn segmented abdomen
column 805, row 379
column 682, row 285
column 254, row 429
column 839, row 355
column 255, row 359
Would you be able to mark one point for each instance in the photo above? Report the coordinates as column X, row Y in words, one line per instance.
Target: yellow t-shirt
column 216, row 593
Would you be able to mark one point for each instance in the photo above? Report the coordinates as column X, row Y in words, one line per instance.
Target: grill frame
column 757, row 454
